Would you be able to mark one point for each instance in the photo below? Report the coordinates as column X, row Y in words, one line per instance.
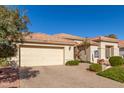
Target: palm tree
column 85, row 44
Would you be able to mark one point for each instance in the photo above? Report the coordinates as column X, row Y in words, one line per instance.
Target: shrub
column 95, row 67
column 115, row 73
column 7, row 50
column 116, row 60
column 72, row 62
column 3, row 62
column 85, row 62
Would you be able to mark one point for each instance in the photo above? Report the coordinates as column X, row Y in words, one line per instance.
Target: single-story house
column 44, row 50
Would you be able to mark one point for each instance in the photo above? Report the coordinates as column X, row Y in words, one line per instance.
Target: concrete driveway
column 65, row 77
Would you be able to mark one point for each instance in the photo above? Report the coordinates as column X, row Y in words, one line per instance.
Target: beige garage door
column 41, row 56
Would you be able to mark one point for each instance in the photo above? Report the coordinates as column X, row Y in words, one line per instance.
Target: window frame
column 96, row 54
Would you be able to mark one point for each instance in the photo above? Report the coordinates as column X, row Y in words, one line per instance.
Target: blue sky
column 84, row 21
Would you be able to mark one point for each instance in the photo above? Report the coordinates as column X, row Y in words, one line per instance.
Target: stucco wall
column 69, row 53
column 68, row 50
column 90, row 54
column 92, row 57
column 121, row 52
column 102, row 49
column 83, row 56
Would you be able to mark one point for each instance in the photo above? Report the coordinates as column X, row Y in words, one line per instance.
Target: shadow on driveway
column 10, row 75
column 27, row 73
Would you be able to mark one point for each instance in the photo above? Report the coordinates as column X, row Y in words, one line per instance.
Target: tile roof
column 121, row 43
column 62, row 39
column 107, row 39
column 67, row 36
column 91, row 42
column 44, row 38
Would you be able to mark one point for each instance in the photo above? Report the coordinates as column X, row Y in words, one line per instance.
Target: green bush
column 7, row 50
column 115, row 73
column 3, row 62
column 116, row 60
column 95, row 67
column 85, row 62
column 72, row 62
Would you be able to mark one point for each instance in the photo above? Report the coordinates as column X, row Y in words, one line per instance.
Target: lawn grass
column 114, row 73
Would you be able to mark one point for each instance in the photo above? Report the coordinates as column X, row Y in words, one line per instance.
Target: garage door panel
column 41, row 56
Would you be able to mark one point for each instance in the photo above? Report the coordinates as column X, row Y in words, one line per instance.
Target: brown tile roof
column 102, row 38
column 91, row 42
column 44, row 38
column 59, row 39
column 121, row 43
column 67, row 36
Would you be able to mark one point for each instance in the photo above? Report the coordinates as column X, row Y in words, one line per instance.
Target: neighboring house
column 43, row 50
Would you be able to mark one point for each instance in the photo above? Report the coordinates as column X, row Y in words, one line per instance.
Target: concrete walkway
column 67, row 77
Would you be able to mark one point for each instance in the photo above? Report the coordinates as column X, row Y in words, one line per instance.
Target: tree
column 13, row 26
column 7, row 50
column 86, row 44
column 112, row 36
column 83, row 46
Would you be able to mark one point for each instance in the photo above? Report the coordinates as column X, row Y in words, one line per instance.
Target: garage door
column 41, row 56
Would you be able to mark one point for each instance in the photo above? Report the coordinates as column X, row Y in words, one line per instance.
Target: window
column 96, row 54
column 109, row 51
column 121, row 52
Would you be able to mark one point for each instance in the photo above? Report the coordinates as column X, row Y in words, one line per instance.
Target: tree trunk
column 85, row 51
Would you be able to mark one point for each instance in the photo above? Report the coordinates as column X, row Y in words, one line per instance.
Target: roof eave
column 46, row 42
column 105, row 41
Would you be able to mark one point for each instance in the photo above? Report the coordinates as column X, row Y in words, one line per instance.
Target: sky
column 84, row 21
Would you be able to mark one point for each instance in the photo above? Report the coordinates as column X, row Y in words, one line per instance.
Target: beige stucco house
column 105, row 48
column 44, row 50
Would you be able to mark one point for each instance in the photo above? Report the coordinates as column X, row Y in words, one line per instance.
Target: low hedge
column 95, row 67
column 85, row 62
column 115, row 73
column 116, row 60
column 72, row 62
